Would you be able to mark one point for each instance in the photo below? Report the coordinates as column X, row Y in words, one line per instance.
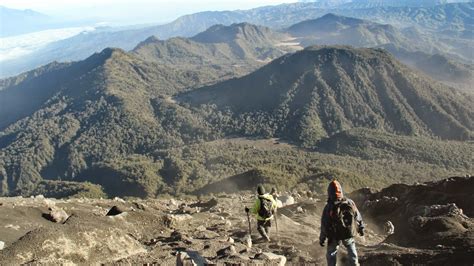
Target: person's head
column 335, row 191
column 274, row 191
column 260, row 190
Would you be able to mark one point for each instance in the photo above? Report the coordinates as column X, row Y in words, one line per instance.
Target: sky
column 132, row 12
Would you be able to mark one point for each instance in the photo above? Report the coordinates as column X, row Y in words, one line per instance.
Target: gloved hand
column 247, row 209
column 321, row 242
column 361, row 231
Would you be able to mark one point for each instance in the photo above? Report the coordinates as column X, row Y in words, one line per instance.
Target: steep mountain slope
column 95, row 110
column 236, row 46
column 318, row 92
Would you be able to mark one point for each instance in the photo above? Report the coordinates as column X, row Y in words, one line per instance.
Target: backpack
column 343, row 222
column 266, row 208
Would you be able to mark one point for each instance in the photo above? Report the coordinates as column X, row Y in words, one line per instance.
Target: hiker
column 274, row 193
column 339, row 222
column 263, row 209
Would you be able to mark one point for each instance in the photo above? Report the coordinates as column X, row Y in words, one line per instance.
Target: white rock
column 2, row 245
column 58, row 215
column 230, row 240
column 39, row 197
column 272, row 256
column 287, row 200
column 119, row 199
column 299, row 209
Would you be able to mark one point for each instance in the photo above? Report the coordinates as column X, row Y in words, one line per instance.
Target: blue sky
column 132, row 12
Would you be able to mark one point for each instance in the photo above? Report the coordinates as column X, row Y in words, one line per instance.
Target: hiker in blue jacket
column 339, row 222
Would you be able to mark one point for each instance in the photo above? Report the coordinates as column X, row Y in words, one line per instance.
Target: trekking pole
column 276, row 224
column 250, row 227
column 249, row 238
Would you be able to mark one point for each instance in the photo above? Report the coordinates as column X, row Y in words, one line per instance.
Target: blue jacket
column 326, row 220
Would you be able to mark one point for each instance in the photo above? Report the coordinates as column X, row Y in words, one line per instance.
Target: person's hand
column 321, row 242
column 247, row 209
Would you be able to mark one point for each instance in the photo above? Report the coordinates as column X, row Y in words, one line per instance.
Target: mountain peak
column 326, row 89
column 225, row 34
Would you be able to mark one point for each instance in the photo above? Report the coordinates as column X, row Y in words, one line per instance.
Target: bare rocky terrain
column 433, row 225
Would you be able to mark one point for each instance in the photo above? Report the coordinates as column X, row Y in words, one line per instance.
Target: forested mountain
column 320, row 91
column 109, row 122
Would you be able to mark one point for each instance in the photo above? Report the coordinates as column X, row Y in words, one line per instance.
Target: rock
column 248, row 241
column 228, row 223
column 183, row 259
column 41, row 197
column 57, row 215
column 205, row 234
column 115, row 210
column 171, row 220
column 173, row 202
column 201, row 228
column 272, row 257
column 2, row 245
column 119, row 199
column 230, row 240
column 389, row 228
column 299, row 209
column 226, row 252
column 287, row 200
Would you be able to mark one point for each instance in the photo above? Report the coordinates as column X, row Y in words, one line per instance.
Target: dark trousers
column 263, row 228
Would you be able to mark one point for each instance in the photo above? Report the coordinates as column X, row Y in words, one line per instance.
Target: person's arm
column 360, row 222
column 324, row 226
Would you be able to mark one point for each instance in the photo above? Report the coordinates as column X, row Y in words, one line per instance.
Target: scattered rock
column 287, row 200
column 41, row 197
column 119, row 199
column 115, row 210
column 272, row 257
column 172, row 220
column 201, row 228
column 299, row 209
column 206, row 234
column 228, row 223
column 226, row 252
column 230, row 240
column 2, row 245
column 57, row 215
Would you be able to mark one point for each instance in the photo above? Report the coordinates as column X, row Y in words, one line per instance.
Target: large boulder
column 286, row 200
column 268, row 256
column 57, row 215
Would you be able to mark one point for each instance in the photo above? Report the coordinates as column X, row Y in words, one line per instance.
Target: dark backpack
column 266, row 210
column 343, row 220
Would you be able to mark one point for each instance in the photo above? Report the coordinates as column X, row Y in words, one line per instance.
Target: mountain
column 451, row 19
column 15, row 22
column 332, row 29
column 57, row 122
column 320, row 91
column 437, row 66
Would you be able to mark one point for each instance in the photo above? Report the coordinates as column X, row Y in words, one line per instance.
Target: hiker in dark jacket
column 263, row 214
column 333, row 225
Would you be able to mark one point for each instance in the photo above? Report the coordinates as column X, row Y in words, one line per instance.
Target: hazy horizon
column 121, row 12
